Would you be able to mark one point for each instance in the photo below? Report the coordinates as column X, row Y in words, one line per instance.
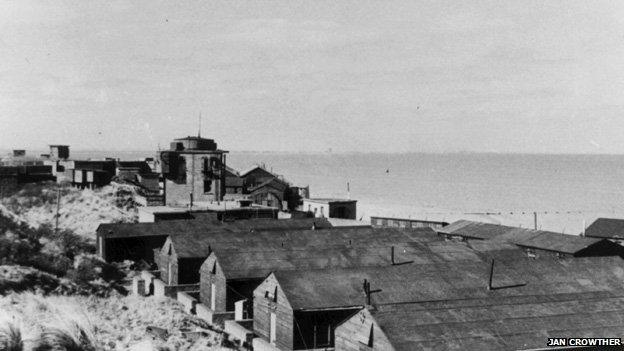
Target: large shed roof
column 258, row 264
column 612, row 228
column 537, row 239
column 461, row 281
column 206, row 223
column 201, row 244
column 506, row 323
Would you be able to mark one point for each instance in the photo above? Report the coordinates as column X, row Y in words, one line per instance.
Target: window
column 207, row 185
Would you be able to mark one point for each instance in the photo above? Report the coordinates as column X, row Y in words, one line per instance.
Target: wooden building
column 296, row 310
column 584, row 300
column 536, row 243
column 607, row 228
column 228, row 276
column 378, row 221
column 329, row 207
column 137, row 241
column 197, row 247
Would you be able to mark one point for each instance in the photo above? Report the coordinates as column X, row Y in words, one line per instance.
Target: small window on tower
column 207, row 185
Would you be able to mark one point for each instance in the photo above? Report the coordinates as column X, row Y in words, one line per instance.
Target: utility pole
column 58, row 209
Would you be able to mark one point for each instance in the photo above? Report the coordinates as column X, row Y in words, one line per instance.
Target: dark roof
column 475, row 230
column 258, row 264
column 606, row 228
column 326, row 200
column 506, row 323
column 201, row 243
column 330, row 288
column 234, row 181
column 537, row 239
column 255, row 169
column 274, row 183
column 205, row 223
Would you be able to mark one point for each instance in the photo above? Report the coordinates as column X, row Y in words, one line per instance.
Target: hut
column 607, row 228
column 521, row 321
column 227, row 277
column 296, row 310
column 197, row 247
column 137, row 241
column 536, row 243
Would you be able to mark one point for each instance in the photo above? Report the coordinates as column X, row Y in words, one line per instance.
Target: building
column 234, row 184
column 452, row 305
column 59, row 152
column 607, row 228
column 256, row 176
column 136, row 241
column 227, row 277
column 194, row 171
column 536, row 243
column 271, row 193
column 377, row 221
column 521, row 319
column 333, row 208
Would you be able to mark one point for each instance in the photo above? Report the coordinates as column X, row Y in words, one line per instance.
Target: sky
column 370, row 76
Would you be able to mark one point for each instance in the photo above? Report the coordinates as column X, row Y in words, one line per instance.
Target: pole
column 58, row 209
column 535, row 220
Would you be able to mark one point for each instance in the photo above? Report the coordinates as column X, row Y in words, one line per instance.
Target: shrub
column 11, row 338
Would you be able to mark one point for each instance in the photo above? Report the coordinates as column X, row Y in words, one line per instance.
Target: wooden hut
column 230, row 276
column 536, row 243
column 296, row 310
column 180, row 253
column 137, row 241
column 524, row 321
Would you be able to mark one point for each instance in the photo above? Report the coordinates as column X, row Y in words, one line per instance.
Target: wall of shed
column 207, row 278
column 188, row 270
column 602, row 248
column 131, row 248
column 163, row 267
column 283, row 312
column 315, row 329
column 354, row 333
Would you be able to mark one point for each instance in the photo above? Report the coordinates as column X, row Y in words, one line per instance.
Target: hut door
column 213, row 297
column 272, row 331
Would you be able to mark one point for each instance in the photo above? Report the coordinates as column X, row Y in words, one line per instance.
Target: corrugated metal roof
column 460, row 281
column 606, row 228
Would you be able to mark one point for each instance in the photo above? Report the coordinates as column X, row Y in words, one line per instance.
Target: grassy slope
column 115, row 323
column 81, row 211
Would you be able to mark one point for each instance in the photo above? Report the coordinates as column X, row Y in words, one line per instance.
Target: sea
column 562, row 193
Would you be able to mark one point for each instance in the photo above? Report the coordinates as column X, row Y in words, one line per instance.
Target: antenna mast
column 199, row 129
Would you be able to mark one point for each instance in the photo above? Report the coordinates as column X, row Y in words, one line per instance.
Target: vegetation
column 67, row 323
column 56, row 295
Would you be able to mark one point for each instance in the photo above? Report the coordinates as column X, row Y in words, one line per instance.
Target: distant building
column 377, row 221
column 333, row 208
column 59, row 152
column 607, row 228
column 535, row 242
column 194, row 171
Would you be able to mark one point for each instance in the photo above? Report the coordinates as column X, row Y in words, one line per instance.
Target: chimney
column 489, row 287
